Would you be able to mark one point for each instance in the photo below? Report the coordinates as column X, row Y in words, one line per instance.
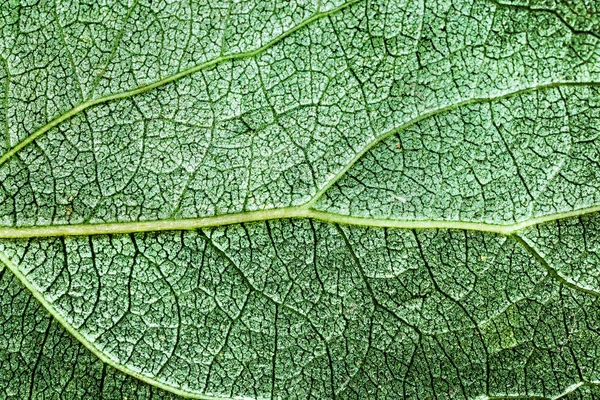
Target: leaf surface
column 300, row 199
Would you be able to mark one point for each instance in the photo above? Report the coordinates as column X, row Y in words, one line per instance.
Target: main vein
column 303, row 211
column 280, row 213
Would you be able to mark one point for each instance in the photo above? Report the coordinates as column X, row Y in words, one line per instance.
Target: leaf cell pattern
column 228, row 199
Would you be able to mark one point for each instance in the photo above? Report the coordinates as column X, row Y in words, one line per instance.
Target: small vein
column 64, row 42
column 570, row 389
column 113, row 51
column 552, row 272
column 6, row 126
column 474, row 100
column 39, row 358
column 555, row 13
column 272, row 301
column 510, row 153
column 146, row 87
column 4, row 259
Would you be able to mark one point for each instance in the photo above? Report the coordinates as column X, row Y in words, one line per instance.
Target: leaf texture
column 306, row 199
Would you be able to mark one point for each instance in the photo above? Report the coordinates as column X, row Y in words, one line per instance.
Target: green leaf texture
column 300, row 199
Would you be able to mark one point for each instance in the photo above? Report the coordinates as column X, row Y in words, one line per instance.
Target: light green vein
column 83, row 340
column 552, row 272
column 144, row 88
column 437, row 111
column 570, row 389
column 278, row 213
column 113, row 51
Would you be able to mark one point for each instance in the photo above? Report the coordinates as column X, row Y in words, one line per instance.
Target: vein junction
column 304, row 211
column 279, row 213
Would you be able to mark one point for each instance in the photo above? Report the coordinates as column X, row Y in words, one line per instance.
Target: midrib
column 301, row 212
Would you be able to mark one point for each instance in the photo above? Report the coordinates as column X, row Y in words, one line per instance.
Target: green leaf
column 308, row 199
column 40, row 360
